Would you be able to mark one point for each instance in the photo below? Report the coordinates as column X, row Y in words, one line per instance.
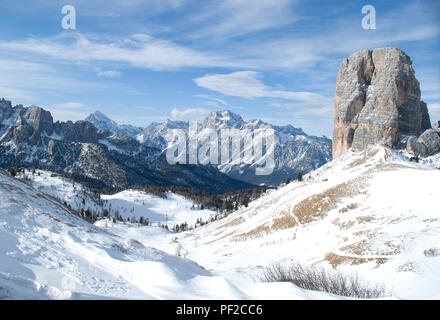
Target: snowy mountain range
column 102, row 159
column 295, row 151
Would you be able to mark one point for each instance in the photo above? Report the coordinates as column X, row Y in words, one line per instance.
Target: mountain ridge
column 295, row 151
column 29, row 137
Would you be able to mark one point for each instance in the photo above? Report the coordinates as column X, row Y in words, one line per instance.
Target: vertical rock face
column 39, row 119
column 5, row 109
column 377, row 99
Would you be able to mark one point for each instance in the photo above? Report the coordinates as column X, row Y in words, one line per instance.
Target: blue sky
column 142, row 61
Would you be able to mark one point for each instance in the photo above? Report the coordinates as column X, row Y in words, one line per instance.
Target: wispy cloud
column 109, row 74
column 247, row 84
column 155, row 54
column 231, row 18
column 189, row 114
column 206, row 96
column 15, row 94
column 69, row 105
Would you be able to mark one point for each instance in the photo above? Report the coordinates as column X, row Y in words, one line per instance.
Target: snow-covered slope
column 374, row 213
column 46, row 252
column 65, row 190
column 171, row 210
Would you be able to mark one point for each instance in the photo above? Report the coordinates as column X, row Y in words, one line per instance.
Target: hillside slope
column 374, row 213
column 46, row 252
column 169, row 210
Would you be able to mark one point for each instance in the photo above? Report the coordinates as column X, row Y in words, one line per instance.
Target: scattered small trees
column 13, row 171
column 300, row 176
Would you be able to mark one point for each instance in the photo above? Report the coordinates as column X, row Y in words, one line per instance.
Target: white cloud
column 189, row 114
column 301, row 51
column 246, row 84
column 68, row 111
column 155, row 54
column 206, row 96
column 230, row 18
column 10, row 65
column 69, row 105
column 15, row 94
column 109, row 73
column 60, row 114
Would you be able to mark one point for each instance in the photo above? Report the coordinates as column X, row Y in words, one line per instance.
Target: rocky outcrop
column 426, row 145
column 39, row 119
column 5, row 110
column 31, row 125
column 82, row 131
column 377, row 100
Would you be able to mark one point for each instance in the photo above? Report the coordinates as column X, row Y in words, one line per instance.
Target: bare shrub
column 321, row 279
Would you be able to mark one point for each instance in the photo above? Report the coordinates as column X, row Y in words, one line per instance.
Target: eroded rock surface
column 377, row 100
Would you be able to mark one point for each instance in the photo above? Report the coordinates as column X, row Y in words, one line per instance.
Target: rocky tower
column 377, row 99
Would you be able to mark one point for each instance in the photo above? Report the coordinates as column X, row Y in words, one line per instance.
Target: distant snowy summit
column 104, row 123
column 295, row 151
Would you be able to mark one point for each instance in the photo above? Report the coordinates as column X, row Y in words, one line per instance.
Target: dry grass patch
column 349, row 207
column 232, row 223
column 408, row 267
column 58, row 220
column 315, row 206
column 365, row 219
column 344, row 225
column 335, row 260
column 309, row 209
column 363, row 247
column 285, row 222
column 254, row 233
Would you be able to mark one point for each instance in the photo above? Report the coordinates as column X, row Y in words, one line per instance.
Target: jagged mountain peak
column 102, row 122
column 101, row 118
column 173, row 124
column 5, row 104
column 223, row 117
